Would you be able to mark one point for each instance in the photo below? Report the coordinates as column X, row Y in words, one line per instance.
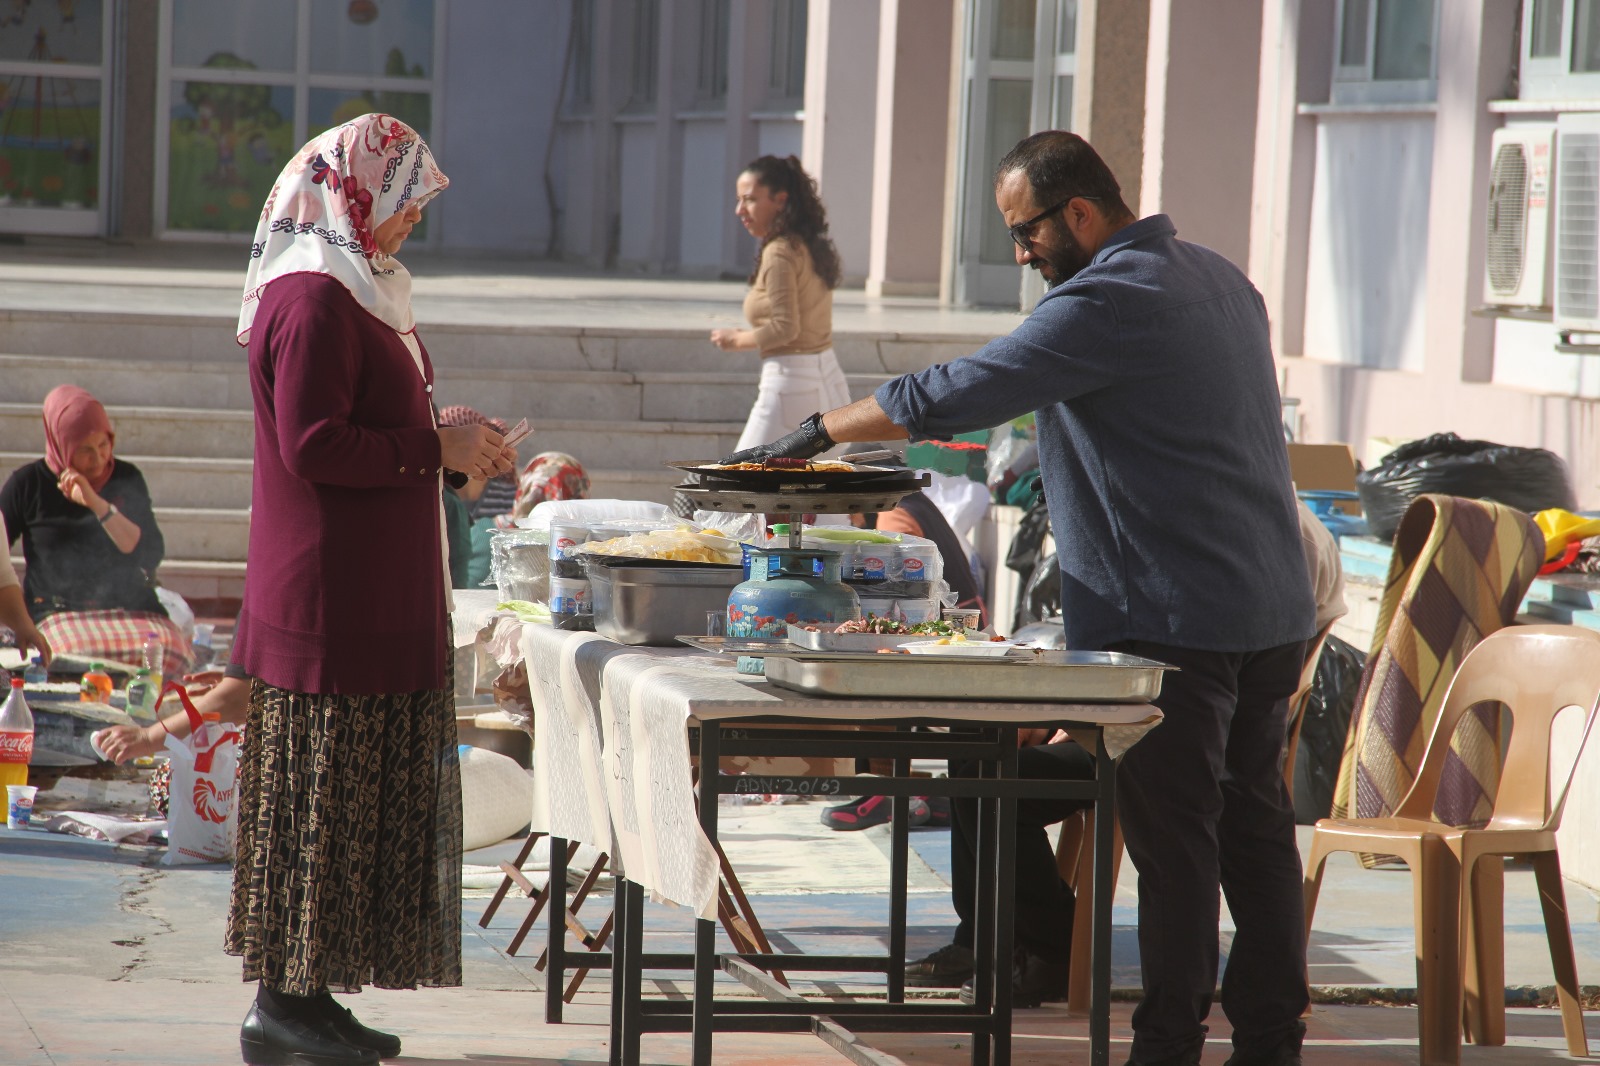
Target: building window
column 1560, row 50
column 53, row 116
column 787, row 84
column 579, row 90
column 1385, row 51
column 712, row 84
column 644, row 32
column 244, row 84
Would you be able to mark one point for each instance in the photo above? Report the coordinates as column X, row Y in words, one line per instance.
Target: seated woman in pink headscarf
column 90, row 540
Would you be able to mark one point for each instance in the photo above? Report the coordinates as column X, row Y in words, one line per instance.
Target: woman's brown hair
column 802, row 215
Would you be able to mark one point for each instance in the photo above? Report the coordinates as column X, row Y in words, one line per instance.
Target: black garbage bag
column 1323, row 731
column 1041, row 594
column 1529, row 479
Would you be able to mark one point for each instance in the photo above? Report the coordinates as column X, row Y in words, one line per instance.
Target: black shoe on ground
column 268, row 1041
column 352, row 1032
column 945, row 968
column 859, row 814
column 1034, row 981
column 1285, row 1053
column 1190, row 1057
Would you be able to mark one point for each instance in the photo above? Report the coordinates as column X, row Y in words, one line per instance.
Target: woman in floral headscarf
column 348, row 867
column 89, row 538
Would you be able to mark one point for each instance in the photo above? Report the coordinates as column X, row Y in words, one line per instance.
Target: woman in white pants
column 790, row 302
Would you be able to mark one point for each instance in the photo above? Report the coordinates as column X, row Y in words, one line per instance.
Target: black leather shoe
column 1034, row 981
column 1285, row 1053
column 268, row 1041
column 352, row 1032
column 945, row 968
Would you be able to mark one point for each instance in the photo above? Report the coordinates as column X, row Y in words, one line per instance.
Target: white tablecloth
column 611, row 745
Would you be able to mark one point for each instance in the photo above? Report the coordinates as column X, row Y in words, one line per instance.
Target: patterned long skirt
column 348, row 866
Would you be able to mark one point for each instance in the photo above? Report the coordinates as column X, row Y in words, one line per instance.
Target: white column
column 908, row 162
column 1476, row 56
column 1296, row 68
column 1200, row 119
column 838, row 134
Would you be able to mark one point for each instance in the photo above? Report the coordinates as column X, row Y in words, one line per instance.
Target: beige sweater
column 789, row 307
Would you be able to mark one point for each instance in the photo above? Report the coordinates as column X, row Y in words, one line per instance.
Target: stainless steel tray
column 1045, row 677
column 815, row 640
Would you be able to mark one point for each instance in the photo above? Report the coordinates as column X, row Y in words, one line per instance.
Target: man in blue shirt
column 1149, row 368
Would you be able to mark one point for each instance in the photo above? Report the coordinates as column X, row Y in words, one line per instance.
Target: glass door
column 1018, row 64
column 54, row 117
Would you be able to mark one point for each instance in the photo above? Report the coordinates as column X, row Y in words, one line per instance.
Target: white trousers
column 793, row 387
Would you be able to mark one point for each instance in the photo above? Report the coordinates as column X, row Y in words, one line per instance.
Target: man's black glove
column 804, row 443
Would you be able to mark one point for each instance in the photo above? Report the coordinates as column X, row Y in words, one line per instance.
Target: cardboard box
column 1325, row 466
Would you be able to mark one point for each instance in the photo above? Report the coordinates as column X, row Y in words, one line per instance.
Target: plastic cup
column 717, row 622
column 19, row 805
column 965, row 618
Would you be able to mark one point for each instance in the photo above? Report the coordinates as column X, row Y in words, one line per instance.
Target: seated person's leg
column 1044, row 904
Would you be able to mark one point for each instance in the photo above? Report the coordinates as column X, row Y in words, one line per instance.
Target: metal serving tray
column 815, row 640
column 1044, row 677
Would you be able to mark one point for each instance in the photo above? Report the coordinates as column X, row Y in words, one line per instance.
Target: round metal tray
column 864, row 498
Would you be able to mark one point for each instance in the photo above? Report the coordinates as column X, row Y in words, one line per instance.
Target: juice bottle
column 16, row 737
column 154, row 655
column 96, row 685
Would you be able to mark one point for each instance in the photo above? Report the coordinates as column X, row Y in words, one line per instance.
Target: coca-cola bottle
column 16, row 737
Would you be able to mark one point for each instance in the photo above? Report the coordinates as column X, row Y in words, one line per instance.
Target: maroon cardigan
column 344, row 589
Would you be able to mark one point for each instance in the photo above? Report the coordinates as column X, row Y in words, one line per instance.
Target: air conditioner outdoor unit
column 1517, row 255
column 1577, row 258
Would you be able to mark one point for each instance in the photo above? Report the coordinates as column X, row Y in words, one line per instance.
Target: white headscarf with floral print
column 323, row 209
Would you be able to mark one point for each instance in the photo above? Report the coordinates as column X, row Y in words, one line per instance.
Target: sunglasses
column 1022, row 232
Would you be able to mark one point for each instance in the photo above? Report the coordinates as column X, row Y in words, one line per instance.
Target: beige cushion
column 496, row 797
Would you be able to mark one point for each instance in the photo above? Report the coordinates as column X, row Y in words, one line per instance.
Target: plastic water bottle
column 153, row 658
column 16, row 737
column 204, row 651
column 141, row 696
column 35, row 673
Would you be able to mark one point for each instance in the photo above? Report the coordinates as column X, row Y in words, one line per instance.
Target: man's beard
column 1064, row 262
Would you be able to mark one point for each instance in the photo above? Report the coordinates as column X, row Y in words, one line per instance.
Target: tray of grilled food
column 789, row 474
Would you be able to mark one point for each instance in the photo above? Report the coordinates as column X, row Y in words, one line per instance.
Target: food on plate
column 802, row 466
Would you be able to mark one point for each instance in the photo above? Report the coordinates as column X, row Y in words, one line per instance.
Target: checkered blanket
column 117, row 635
column 1458, row 573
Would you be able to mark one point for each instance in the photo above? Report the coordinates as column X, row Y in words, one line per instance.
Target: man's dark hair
column 1061, row 164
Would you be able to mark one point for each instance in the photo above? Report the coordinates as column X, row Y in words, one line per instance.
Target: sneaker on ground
column 858, row 814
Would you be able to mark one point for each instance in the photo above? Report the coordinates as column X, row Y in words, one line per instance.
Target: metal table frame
column 993, row 745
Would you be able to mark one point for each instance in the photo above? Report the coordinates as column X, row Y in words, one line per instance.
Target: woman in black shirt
column 89, row 538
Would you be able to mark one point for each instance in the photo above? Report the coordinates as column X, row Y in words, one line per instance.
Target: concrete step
column 211, row 533
column 175, row 481
column 212, row 433
column 532, row 393
column 210, row 339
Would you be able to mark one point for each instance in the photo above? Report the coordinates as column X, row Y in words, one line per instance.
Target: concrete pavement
column 107, row 957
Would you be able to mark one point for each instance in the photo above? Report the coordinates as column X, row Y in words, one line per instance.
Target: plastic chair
column 1537, row 672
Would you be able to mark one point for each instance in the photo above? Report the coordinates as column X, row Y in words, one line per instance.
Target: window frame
column 1552, row 77
column 1356, row 84
column 301, row 81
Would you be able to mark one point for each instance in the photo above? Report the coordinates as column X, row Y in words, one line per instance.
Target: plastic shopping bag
column 202, row 812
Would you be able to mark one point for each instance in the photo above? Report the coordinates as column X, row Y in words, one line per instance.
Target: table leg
column 1105, row 815
column 632, row 976
column 900, row 844
column 1005, row 893
column 983, row 913
column 620, row 950
column 705, row 932
column 555, row 973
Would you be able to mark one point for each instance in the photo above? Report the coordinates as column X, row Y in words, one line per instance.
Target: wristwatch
column 111, row 509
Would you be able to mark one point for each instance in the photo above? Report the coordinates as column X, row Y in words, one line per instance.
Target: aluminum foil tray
column 1045, row 677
